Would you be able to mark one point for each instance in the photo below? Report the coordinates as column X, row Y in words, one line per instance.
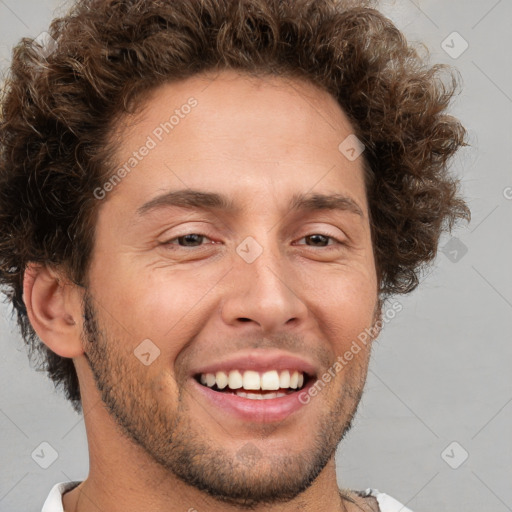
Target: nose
column 264, row 292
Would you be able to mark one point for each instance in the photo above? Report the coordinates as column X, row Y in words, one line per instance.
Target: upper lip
column 259, row 361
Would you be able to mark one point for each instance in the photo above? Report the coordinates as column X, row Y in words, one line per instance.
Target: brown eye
column 319, row 240
column 188, row 240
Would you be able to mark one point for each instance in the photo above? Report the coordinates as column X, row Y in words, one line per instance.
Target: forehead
column 273, row 104
column 229, row 132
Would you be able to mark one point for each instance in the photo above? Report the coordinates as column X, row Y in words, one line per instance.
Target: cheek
column 159, row 305
column 343, row 303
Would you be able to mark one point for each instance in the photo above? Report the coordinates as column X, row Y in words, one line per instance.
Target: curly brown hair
column 59, row 107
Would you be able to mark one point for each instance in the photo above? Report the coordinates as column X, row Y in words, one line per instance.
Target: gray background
column 440, row 372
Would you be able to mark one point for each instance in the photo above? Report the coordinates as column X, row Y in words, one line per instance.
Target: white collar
column 54, row 501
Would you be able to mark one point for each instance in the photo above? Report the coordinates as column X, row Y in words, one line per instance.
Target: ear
column 377, row 320
column 54, row 309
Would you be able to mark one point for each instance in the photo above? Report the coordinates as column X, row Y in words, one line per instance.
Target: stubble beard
column 246, row 479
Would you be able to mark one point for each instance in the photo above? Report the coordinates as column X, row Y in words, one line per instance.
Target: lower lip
column 262, row 411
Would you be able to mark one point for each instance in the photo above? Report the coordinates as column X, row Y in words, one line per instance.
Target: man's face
column 288, row 298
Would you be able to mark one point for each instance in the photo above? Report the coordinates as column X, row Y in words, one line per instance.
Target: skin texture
column 258, row 141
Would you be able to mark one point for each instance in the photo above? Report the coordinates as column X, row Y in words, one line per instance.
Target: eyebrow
column 313, row 202
column 196, row 199
column 191, row 199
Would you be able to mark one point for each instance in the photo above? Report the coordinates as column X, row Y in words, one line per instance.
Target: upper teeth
column 251, row 380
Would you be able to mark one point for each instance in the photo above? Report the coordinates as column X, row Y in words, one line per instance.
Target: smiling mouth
column 255, row 385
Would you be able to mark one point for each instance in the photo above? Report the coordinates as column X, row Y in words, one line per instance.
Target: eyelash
column 169, row 242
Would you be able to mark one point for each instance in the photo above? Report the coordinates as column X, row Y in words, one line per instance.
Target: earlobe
column 53, row 309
